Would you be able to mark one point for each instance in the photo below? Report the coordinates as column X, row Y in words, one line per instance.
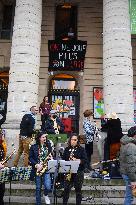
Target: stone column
column 117, row 61
column 24, row 63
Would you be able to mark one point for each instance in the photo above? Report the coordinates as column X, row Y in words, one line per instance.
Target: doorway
column 4, row 78
column 65, row 99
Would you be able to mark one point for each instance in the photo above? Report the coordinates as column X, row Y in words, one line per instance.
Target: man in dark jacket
column 75, row 152
column 27, row 126
column 128, row 163
column 53, row 125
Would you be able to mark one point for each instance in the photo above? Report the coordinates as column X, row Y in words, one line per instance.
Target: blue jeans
column 128, row 194
column 45, row 180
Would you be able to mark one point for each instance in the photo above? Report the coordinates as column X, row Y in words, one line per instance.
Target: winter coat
column 48, row 126
column 34, row 156
column 79, row 153
column 128, row 157
column 114, row 131
column 27, row 125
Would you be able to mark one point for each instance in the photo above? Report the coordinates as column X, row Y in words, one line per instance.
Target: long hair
column 38, row 136
column 69, row 140
column 43, row 102
column 88, row 113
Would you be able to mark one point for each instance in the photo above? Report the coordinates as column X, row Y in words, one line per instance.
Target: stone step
column 96, row 191
column 21, row 200
column 87, row 180
column 105, row 182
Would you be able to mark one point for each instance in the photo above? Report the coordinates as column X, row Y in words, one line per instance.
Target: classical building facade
column 109, row 59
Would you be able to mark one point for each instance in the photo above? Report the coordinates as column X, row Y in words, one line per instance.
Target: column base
column 12, row 137
column 14, row 124
column 12, row 130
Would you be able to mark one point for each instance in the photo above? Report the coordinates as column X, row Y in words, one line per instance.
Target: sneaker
column 47, row 200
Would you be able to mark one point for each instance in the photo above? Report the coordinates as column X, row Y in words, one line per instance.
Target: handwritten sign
column 66, row 55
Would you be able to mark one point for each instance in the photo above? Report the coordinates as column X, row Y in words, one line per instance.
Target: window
column 66, row 23
column 63, row 81
column 6, row 22
column 63, row 84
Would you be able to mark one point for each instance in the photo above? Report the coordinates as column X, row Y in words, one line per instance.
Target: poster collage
column 98, row 103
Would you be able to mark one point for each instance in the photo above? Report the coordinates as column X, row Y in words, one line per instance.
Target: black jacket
column 48, row 126
column 27, row 125
column 34, row 156
column 34, row 153
column 114, row 131
column 79, row 153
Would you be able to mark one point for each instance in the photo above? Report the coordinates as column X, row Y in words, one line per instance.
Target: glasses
column 74, row 139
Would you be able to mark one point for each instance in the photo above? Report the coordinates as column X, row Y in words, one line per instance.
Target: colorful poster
column 64, row 108
column 98, row 103
column 132, row 11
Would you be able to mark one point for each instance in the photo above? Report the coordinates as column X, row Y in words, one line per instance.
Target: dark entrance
column 3, row 96
column 65, row 99
column 66, row 23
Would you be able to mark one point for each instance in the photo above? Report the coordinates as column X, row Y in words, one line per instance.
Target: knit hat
column 132, row 131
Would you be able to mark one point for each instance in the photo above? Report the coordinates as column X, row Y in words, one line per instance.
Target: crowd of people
column 38, row 153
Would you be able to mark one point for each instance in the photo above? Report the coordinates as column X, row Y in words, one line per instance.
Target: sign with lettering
column 66, row 55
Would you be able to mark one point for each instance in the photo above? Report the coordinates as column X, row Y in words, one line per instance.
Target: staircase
column 95, row 191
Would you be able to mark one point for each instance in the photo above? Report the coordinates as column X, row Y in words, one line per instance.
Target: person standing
column 114, row 134
column 74, row 152
column 3, row 149
column 128, row 163
column 103, row 133
column 53, row 125
column 89, row 130
column 39, row 153
column 44, row 109
column 27, row 127
column 2, row 184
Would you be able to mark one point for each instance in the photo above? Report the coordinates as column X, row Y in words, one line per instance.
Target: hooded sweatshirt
column 128, row 157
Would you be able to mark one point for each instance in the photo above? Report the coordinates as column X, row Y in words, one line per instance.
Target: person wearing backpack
column 128, row 164
column 27, row 126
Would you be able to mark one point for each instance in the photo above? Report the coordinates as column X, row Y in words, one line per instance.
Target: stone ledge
column 17, row 200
